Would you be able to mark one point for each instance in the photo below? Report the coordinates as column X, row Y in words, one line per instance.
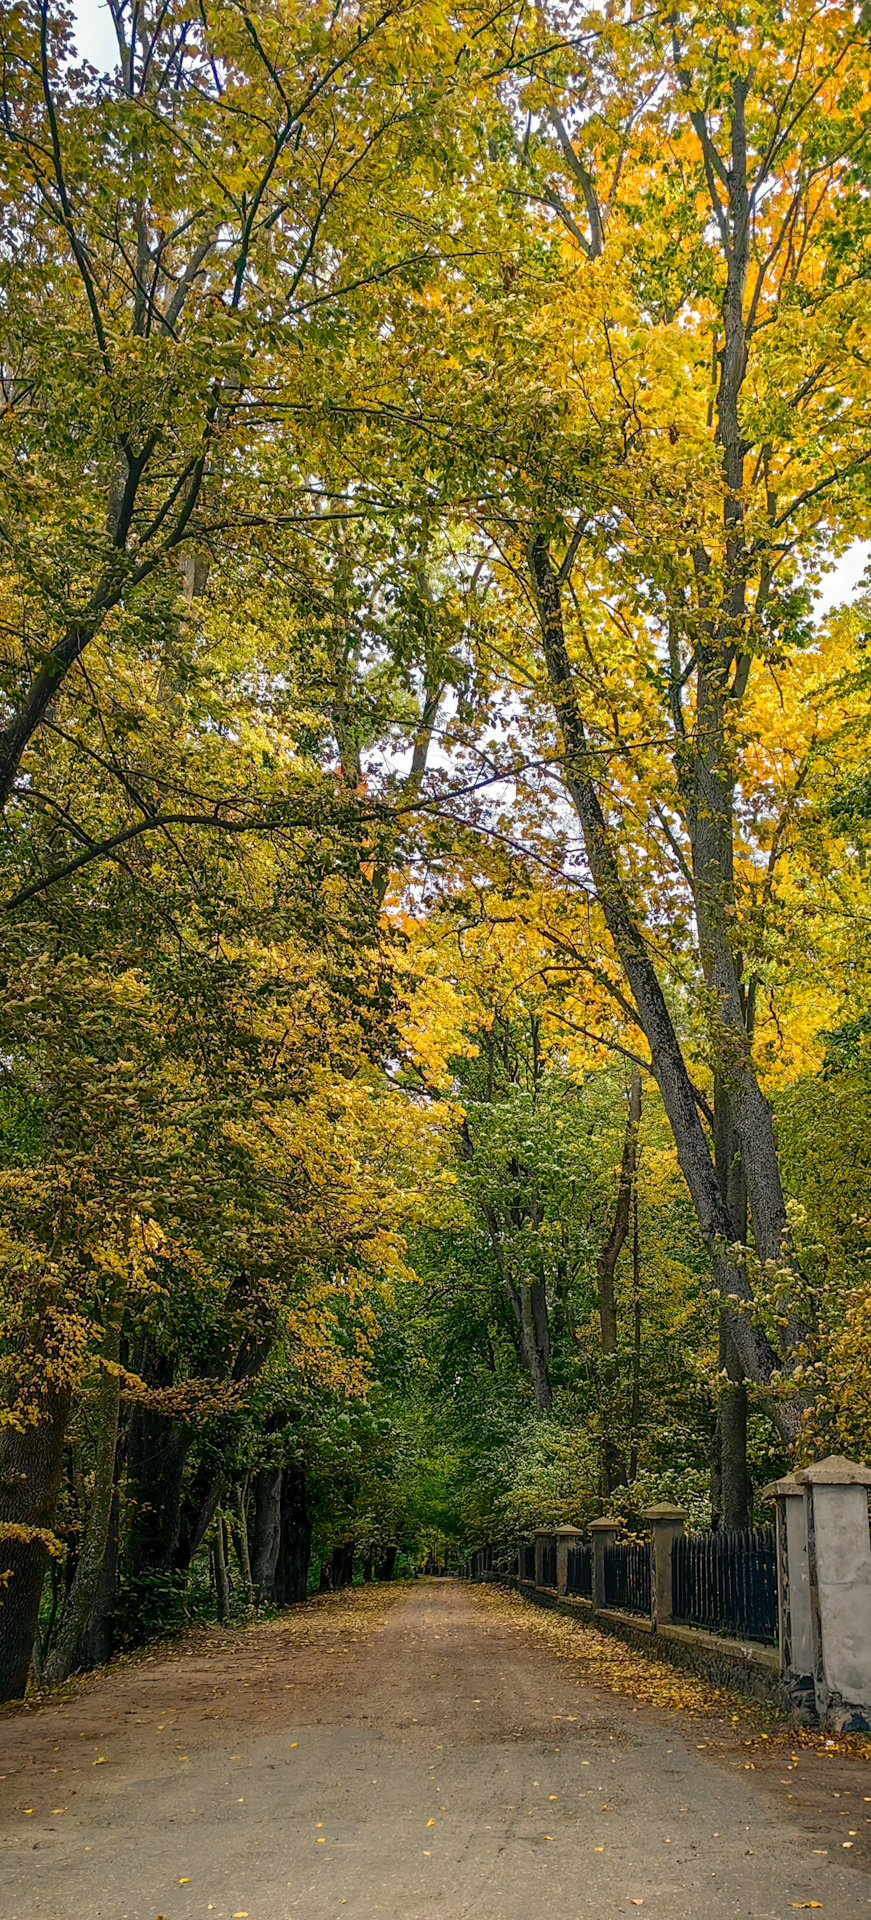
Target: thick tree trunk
column 82, row 1595
column 757, row 1358
column 731, row 1486
column 343, row 1564
column 613, row 1458
column 31, row 1468
column 97, row 1644
column 157, row 1451
column 535, row 1336
column 266, row 1533
column 388, row 1563
column 296, row 1538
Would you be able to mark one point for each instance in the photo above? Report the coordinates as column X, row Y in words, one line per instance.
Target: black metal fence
column 727, row 1582
column 548, row 1563
column 579, row 1571
column 527, row 1560
column 627, row 1577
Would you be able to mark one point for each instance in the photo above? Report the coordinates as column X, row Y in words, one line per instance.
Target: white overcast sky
column 96, row 43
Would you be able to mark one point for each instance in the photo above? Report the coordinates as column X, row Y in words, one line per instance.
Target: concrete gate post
column 793, row 1592
column 839, row 1567
column 565, row 1538
column 667, row 1523
column 604, row 1534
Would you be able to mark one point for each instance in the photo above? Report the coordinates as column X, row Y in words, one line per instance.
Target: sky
column 97, row 43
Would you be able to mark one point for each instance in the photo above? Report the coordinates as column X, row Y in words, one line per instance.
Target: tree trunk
column 240, row 1542
column 343, row 1564
column 613, row 1459
column 757, row 1358
column 635, row 1409
column 97, row 1644
column 535, row 1336
column 388, row 1563
column 296, row 1537
column 31, row 1468
column 83, row 1593
column 157, row 1451
column 266, row 1533
column 222, row 1584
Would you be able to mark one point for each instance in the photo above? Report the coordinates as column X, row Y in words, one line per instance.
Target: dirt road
column 410, row 1754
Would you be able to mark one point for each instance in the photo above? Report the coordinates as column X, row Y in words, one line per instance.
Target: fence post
column 666, row 1524
column 565, row 1538
column 795, row 1623
column 604, row 1534
column 839, row 1567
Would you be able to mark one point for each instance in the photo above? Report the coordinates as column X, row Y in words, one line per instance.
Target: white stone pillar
column 793, row 1590
column 666, row 1523
column 565, row 1538
column 839, row 1569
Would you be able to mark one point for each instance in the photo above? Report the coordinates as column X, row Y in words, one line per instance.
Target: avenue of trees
column 435, row 917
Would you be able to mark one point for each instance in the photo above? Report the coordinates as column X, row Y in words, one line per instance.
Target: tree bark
column 82, row 1594
column 388, row 1563
column 613, row 1459
column 757, row 1358
column 31, row 1468
column 240, row 1542
column 296, row 1538
column 222, row 1584
column 97, row 1643
column 266, row 1533
column 535, row 1335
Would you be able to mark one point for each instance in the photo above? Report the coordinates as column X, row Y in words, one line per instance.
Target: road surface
column 411, row 1754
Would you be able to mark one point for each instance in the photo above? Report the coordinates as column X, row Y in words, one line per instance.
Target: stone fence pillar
column 793, row 1591
column 565, row 1538
column 604, row 1534
column 839, row 1568
column 666, row 1525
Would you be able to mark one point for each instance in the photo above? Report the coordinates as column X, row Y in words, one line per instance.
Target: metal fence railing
column 548, row 1564
column 627, row 1577
column 579, row 1571
column 527, row 1560
column 727, row 1582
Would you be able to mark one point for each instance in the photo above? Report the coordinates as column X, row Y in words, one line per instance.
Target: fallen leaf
column 430, row 1823
column 186, row 1882
column 807, row 1903
column 598, row 1849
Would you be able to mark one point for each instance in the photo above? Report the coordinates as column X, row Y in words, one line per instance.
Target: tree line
column 433, row 877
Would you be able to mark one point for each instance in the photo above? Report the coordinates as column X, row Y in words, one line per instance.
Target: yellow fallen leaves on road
column 806, row 1903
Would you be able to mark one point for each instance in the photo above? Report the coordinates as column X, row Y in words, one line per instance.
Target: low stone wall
column 741, row 1667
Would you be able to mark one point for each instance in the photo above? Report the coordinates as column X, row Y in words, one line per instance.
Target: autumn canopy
column 435, row 921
